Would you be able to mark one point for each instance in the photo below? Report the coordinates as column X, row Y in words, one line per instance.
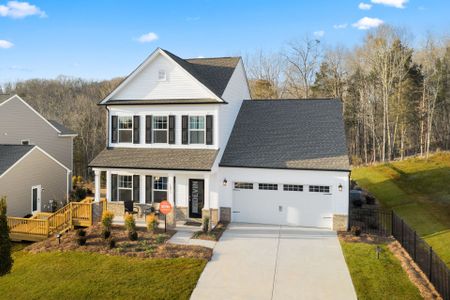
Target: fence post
column 430, row 273
column 415, row 245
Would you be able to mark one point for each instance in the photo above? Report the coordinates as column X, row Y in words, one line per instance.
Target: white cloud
column 393, row 3
column 340, row 26
column 4, row 44
column 148, row 37
column 319, row 33
column 364, row 6
column 367, row 23
column 19, row 10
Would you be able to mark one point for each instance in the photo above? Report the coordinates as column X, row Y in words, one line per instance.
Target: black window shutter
column 209, row 130
column 113, row 187
column 136, row 130
column 148, row 129
column 136, row 188
column 114, row 125
column 148, row 189
column 171, row 129
column 184, row 130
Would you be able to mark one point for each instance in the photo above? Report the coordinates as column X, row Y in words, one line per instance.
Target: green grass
column 81, row 275
column 374, row 278
column 419, row 191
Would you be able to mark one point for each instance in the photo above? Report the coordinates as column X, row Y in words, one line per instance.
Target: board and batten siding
column 179, row 84
column 18, row 122
column 35, row 169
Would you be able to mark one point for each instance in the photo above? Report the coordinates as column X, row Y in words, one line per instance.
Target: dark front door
column 196, row 197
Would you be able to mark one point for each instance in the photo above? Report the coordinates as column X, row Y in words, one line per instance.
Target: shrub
column 81, row 232
column 133, row 235
column 111, row 243
column 78, row 194
column 355, row 230
column 357, row 203
column 106, row 234
column 160, row 238
column 152, row 222
column 206, row 224
column 370, row 199
column 130, row 225
column 107, row 219
column 81, row 240
column 6, row 260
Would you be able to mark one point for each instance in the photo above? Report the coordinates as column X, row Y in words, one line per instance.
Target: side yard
column 418, row 190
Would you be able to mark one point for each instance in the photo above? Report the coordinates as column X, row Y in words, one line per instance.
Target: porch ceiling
column 159, row 159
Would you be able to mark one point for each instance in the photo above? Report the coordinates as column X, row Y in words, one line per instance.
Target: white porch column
column 142, row 189
column 108, row 185
column 171, row 189
column 207, row 203
column 97, row 185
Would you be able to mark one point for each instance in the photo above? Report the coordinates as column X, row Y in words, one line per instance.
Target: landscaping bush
column 160, row 238
column 81, row 240
column 6, row 260
column 78, row 194
column 357, row 203
column 370, row 199
column 355, row 230
column 107, row 219
column 130, row 226
column 81, row 232
column 152, row 222
column 111, row 243
column 205, row 226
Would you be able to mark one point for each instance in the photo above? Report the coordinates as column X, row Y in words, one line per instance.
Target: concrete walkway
column 276, row 262
column 184, row 234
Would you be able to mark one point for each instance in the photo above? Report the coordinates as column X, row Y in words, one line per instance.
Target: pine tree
column 6, row 260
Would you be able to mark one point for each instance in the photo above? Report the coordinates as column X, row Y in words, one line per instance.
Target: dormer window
column 162, row 76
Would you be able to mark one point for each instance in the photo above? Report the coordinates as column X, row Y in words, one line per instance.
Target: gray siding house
column 36, row 158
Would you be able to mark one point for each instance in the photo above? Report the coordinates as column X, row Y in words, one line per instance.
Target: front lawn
column 418, row 190
column 374, row 278
column 82, row 275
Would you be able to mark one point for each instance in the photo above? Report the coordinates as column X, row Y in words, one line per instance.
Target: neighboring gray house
column 36, row 158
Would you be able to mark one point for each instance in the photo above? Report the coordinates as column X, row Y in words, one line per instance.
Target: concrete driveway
column 276, row 262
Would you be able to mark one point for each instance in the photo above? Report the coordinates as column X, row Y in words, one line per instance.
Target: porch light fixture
column 340, row 187
column 225, row 182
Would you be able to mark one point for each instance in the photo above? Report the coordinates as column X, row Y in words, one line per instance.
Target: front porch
column 189, row 193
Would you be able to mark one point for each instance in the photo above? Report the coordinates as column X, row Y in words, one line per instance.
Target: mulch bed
column 148, row 245
column 415, row 274
column 213, row 235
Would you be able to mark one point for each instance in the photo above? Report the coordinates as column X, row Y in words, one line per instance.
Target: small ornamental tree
column 107, row 219
column 6, row 260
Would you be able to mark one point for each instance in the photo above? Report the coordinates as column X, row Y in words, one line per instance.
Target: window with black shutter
column 171, row 129
column 184, row 130
column 136, row 120
column 209, row 130
column 136, row 188
column 114, row 123
column 148, row 129
column 148, row 189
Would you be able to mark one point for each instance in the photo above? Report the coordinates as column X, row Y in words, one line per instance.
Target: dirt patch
column 213, row 235
column 148, row 245
column 364, row 238
column 415, row 274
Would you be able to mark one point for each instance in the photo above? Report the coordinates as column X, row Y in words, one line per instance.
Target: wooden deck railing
column 41, row 225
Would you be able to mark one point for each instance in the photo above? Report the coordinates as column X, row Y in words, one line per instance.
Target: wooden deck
column 42, row 225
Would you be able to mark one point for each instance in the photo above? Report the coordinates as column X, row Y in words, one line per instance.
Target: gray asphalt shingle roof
column 156, row 158
column 288, row 134
column 10, row 154
column 63, row 129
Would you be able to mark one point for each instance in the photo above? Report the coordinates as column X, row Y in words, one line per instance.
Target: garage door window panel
column 319, row 189
column 268, row 186
column 243, row 185
column 293, row 187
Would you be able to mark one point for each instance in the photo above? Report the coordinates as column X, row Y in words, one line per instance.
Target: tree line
column 396, row 97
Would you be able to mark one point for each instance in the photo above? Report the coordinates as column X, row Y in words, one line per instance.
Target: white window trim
column 204, row 129
column 159, row 190
column 122, row 188
column 38, row 199
column 153, row 129
column 130, row 129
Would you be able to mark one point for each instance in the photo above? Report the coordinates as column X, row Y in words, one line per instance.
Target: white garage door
column 282, row 204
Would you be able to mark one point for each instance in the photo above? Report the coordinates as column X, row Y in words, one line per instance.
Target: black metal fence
column 429, row 262
column 385, row 223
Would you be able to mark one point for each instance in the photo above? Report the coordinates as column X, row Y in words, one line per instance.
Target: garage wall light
column 225, row 182
column 340, row 187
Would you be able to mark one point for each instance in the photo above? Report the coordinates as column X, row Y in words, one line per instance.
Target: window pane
column 160, row 122
column 125, row 122
column 197, row 137
column 125, row 136
column 243, row 185
column 124, row 195
column 125, row 182
column 159, row 196
column 160, row 136
column 197, row 122
column 268, row 186
column 160, row 183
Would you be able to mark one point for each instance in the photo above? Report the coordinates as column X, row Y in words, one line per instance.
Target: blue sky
column 99, row 39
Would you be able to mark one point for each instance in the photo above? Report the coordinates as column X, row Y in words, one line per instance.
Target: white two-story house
column 182, row 130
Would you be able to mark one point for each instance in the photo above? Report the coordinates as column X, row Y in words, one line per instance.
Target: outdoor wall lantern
column 340, row 187
column 225, row 182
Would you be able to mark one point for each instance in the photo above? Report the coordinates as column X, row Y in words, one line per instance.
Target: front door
column 196, row 197
column 36, row 198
